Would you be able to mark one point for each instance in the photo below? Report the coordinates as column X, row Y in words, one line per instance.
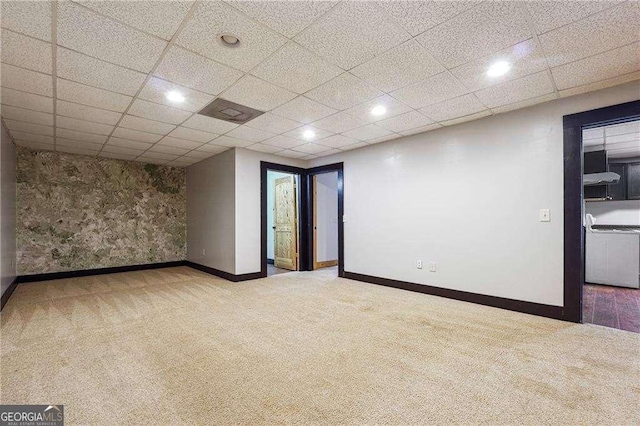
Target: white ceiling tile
column 158, row 112
column 398, row 67
column 606, row 30
column 26, row 80
column 147, row 160
column 404, row 122
column 127, row 143
column 160, row 18
column 93, row 72
column 26, row 52
column 338, row 141
column 466, row 118
column 60, row 142
column 453, row 108
column 339, row 122
column 287, row 18
column 27, row 100
column 117, row 156
column 343, row 92
column 32, row 18
column 150, row 155
column 21, row 126
column 144, row 125
column 31, row 137
column 179, row 143
column 39, row 146
column 311, row 148
column 393, row 107
column 83, row 126
column 135, row 135
column 77, row 150
column 613, row 63
column 418, row 16
column 212, row 19
column 354, row 146
column 156, row 90
column 386, row 138
column 198, row 155
column 292, row 154
column 87, row 95
column 196, row 72
column 295, row 68
column 273, row 123
column 430, row 91
column 299, row 133
column 525, row 103
column 192, row 135
column 209, row 124
column 259, row 147
column 166, row 149
column 231, row 142
column 548, row 15
column 304, row 110
column 323, row 154
column 80, row 136
column 352, row 33
column 525, row 58
column 419, row 130
column 365, row 133
column 591, row 87
column 28, row 115
column 518, row 90
column 83, row 112
column 258, row 94
column 281, row 141
column 90, row 33
column 210, row 148
column 484, row 29
column 250, row 134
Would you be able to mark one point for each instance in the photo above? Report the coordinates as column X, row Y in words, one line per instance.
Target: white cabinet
column 613, row 258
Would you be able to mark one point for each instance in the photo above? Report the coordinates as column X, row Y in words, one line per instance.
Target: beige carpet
column 177, row 346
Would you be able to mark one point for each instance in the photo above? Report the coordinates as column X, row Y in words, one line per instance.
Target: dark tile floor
column 615, row 307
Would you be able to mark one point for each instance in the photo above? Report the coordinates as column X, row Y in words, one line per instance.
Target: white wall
column 271, row 178
column 326, row 199
column 7, row 210
column 468, row 198
column 211, row 212
column 625, row 212
column 247, row 212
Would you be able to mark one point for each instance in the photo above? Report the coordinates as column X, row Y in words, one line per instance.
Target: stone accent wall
column 76, row 212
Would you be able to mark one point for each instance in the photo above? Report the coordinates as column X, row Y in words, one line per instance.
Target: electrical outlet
column 204, row 252
column 419, row 264
column 432, row 267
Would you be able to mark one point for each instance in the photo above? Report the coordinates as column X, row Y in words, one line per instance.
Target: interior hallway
column 303, row 347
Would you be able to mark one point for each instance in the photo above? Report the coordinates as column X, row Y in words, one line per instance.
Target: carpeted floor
column 177, row 346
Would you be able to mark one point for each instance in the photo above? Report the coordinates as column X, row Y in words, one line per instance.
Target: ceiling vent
column 232, row 112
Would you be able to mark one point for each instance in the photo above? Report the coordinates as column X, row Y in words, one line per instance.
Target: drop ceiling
column 91, row 77
column 619, row 140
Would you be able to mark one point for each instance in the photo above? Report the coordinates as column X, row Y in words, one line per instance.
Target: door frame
column 302, row 212
column 574, row 232
column 314, row 226
column 335, row 167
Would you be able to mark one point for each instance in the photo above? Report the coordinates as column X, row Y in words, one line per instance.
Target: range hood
column 605, row 178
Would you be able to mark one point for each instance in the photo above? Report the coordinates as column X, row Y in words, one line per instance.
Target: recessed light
column 174, row 96
column 499, row 68
column 379, row 110
column 309, row 134
column 229, row 40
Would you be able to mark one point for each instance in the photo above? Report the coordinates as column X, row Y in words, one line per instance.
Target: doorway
column 325, row 220
column 283, row 217
column 576, row 223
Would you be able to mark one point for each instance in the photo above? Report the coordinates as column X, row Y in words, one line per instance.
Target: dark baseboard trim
column 7, row 294
column 223, row 274
column 549, row 311
column 271, row 261
column 99, row 271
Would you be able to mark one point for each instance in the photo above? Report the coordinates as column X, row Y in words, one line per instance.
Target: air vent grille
column 232, row 112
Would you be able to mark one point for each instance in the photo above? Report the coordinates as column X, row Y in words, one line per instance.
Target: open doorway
column 611, row 164
column 283, row 219
column 325, row 220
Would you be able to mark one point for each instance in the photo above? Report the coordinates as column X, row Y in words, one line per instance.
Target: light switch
column 545, row 216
